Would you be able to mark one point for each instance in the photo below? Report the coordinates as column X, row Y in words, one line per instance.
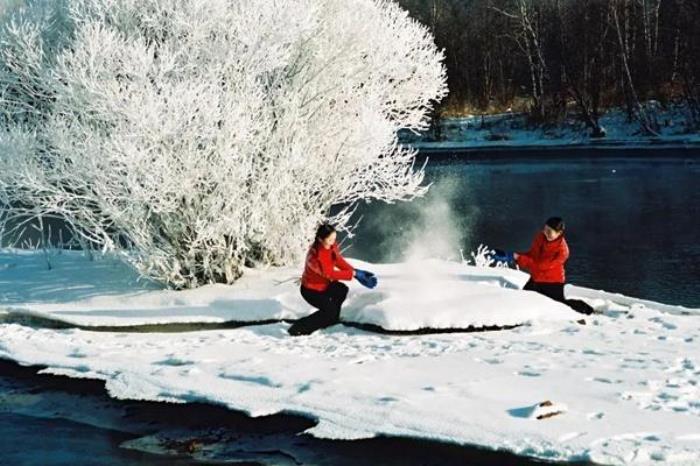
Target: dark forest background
column 555, row 58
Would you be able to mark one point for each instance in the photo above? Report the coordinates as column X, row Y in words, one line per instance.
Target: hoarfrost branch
column 197, row 138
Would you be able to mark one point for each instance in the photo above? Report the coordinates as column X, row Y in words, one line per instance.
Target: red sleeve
column 526, row 259
column 340, row 261
column 328, row 268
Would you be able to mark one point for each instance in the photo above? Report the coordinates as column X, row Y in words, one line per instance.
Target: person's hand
column 503, row 256
column 367, row 279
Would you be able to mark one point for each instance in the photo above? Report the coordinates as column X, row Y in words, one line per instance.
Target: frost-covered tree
column 199, row 137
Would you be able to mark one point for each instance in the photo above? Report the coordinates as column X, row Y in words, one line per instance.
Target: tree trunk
column 646, row 123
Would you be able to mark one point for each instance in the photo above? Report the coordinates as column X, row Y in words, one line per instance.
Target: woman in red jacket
column 545, row 261
column 321, row 284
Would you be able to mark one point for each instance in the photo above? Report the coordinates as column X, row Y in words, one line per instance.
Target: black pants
column 555, row 291
column 327, row 302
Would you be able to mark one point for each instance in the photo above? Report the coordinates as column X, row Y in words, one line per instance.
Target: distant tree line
column 549, row 57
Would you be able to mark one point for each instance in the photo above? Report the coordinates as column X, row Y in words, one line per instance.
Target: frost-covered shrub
column 198, row 137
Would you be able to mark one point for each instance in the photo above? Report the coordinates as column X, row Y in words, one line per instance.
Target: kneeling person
column 321, row 285
column 545, row 261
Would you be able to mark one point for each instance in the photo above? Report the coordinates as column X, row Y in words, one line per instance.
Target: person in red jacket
column 321, row 284
column 545, row 261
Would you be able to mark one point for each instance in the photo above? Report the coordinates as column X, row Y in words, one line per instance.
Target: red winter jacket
column 545, row 259
column 320, row 269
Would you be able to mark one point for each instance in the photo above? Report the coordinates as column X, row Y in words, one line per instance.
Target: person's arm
column 328, row 268
column 525, row 260
column 340, row 261
column 367, row 279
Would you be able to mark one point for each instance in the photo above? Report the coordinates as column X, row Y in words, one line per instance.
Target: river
column 632, row 219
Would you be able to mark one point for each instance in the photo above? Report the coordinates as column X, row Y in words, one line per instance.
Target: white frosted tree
column 199, row 137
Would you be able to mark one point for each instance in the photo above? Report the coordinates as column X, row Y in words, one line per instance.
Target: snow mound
column 442, row 295
column 428, row 294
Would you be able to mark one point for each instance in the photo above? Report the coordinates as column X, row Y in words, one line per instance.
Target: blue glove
column 367, row 279
column 503, row 256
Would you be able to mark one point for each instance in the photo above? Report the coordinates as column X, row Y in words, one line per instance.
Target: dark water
column 29, row 441
column 632, row 221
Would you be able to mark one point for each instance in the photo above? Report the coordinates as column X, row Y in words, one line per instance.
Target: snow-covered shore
column 627, row 381
column 427, row 294
column 510, row 131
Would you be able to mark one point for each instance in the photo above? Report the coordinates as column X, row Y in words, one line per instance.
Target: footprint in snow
column 387, row 400
column 305, row 387
column 492, row 361
column 663, row 323
column 76, row 353
column 362, row 360
column 175, row 362
column 260, row 380
column 570, row 330
column 529, row 373
column 604, row 380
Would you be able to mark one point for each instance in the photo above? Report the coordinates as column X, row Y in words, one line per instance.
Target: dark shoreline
column 658, row 151
column 238, row 433
column 35, row 321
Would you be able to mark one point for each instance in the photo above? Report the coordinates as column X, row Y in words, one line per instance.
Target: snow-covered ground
column 510, row 130
column 626, row 383
column 106, row 293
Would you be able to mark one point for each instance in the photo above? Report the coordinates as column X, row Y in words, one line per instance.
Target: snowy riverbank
column 628, row 380
column 511, row 131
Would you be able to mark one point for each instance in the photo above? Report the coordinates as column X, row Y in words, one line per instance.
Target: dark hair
column 323, row 231
column 555, row 223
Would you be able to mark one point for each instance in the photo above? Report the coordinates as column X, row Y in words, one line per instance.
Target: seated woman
column 545, row 261
column 321, row 284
